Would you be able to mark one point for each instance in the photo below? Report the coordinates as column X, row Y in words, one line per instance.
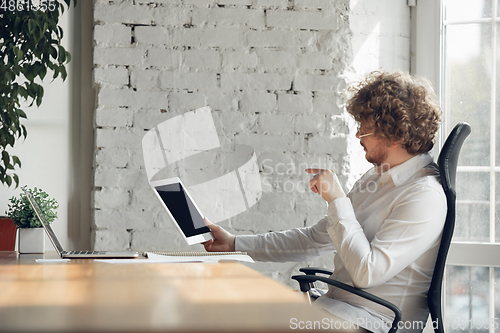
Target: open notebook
column 167, row 256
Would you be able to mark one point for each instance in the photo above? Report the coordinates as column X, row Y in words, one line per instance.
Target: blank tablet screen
column 183, row 210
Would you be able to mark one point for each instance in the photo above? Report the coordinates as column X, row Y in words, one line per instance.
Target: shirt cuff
column 341, row 209
column 244, row 243
column 340, row 217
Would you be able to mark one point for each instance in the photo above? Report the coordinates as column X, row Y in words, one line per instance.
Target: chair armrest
column 314, row 270
column 305, row 280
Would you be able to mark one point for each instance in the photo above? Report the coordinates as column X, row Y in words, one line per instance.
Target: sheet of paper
column 211, row 258
column 156, row 258
column 125, row 261
column 52, row 260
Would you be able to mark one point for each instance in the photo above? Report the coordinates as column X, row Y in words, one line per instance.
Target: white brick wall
column 271, row 70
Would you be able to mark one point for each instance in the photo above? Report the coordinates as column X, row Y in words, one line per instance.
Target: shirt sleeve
column 301, row 244
column 413, row 226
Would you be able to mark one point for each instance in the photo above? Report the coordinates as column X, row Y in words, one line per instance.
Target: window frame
column 426, row 54
column 427, row 51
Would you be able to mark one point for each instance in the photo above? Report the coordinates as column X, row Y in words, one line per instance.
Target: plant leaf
column 9, row 75
column 63, row 73
column 16, row 160
column 53, row 52
column 56, row 72
column 43, row 72
column 31, row 26
column 8, row 180
column 62, row 54
column 5, row 157
column 16, row 179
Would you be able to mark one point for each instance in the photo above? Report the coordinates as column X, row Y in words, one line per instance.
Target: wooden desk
column 88, row 296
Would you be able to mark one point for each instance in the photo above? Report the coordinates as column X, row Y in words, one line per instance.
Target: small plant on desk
column 31, row 235
column 23, row 215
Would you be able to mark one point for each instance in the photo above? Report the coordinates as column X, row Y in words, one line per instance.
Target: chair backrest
column 447, row 162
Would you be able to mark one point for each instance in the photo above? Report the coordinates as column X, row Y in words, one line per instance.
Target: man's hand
column 223, row 242
column 326, row 183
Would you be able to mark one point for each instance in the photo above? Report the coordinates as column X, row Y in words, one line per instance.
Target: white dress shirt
column 386, row 235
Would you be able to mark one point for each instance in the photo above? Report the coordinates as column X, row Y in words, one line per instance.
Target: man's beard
column 378, row 155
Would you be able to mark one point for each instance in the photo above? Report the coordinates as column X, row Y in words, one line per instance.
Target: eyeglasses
column 360, row 136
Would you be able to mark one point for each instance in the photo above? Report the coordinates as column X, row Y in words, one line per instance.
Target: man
column 386, row 230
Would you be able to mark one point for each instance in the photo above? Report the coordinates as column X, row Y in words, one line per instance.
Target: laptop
column 73, row 254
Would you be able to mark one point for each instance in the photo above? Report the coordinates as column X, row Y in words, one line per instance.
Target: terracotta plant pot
column 7, row 234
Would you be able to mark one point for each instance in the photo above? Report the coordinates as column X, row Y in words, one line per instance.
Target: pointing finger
column 314, row 170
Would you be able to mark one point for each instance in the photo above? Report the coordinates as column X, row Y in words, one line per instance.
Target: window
column 470, row 93
column 456, row 43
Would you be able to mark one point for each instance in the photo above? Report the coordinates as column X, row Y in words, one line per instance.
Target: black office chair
column 447, row 162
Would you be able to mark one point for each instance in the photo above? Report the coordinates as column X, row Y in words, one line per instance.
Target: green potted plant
column 30, row 45
column 31, row 233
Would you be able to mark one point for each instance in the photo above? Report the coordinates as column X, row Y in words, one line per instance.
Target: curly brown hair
column 397, row 107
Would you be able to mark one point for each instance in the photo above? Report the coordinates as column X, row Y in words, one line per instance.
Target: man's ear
column 393, row 143
column 397, row 143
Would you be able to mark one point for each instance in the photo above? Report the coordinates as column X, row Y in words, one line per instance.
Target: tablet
column 181, row 208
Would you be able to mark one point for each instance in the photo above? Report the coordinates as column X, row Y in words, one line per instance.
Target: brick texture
column 272, row 72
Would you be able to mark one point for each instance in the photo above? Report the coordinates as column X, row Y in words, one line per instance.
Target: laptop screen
column 43, row 220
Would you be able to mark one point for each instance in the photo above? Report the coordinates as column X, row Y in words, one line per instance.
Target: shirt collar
column 401, row 173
